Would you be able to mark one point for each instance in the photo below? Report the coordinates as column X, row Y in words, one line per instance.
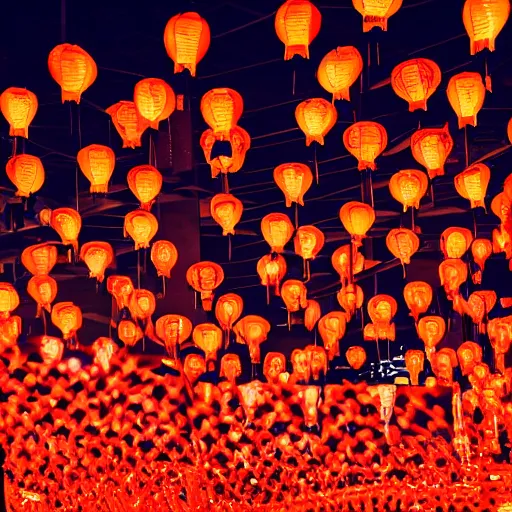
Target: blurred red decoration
column 415, row 81
column 297, row 24
column 186, row 39
column 365, row 140
column 73, row 69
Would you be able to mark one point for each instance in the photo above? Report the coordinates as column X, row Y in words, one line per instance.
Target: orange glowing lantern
column 142, row 226
column 452, row 272
column 455, row 242
column 43, row 289
column 221, row 109
column 356, row 357
column 350, row 298
column 466, row 94
column 68, row 223
column 97, row 256
column 408, row 187
column 500, row 335
column 97, row 163
column 430, row 147
column 483, row 20
column 68, row 318
column 431, row 331
column 402, row 244
column 186, row 39
column 338, row 70
column 129, row 332
column 173, row 330
column 332, row 327
column 73, row 69
column 128, row 122
column 308, row 242
column 154, row 99
column 480, row 304
column 226, row 211
column 103, row 349
column 145, row 182
column 418, row 297
column 315, row 118
column 340, row 260
column 208, row 337
column 252, row 330
column 376, row 13
column 357, row 218
column 19, row 107
column 271, row 270
column 294, row 180
column 142, row 308
column 164, row 256
column 51, row 349
column 472, row 184
column 228, row 310
column 294, row 294
column 10, row 330
column 277, row 230
column 381, row 309
column 27, row 174
column 481, row 249
column 204, row 277
column 365, row 140
column 121, row 288
column 39, row 259
column 297, row 24
column 240, row 142
column 414, row 362
column 415, row 81
column 509, row 130
column 312, row 314
column 9, row 300
column 500, row 205
column 501, row 242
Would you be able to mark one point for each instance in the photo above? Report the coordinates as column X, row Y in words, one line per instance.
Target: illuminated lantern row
column 415, row 81
column 39, row 259
column 145, row 182
column 431, row 147
column 208, row 337
column 408, row 187
column 154, row 99
column 294, row 180
column 472, row 184
column 331, row 328
column 164, row 256
column 68, row 318
column 271, row 269
column 365, row 140
column 277, row 230
column 128, row 122
column 19, row 107
column 221, row 110
column 173, row 330
column 226, row 211
column 97, row 162
column 350, row 298
column 67, row 223
column 186, row 39
column 97, row 256
column 376, row 13
column 315, row 118
column 484, row 20
column 338, row 70
column 252, row 330
column 27, row 174
column 418, row 297
column 204, row 277
column 357, row 218
column 43, row 289
column 228, row 310
column 297, row 23
column 466, row 94
column 340, row 260
column 240, row 142
column 73, row 69
column 142, row 226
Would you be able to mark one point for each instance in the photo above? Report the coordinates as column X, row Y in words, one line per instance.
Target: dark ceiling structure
column 245, row 54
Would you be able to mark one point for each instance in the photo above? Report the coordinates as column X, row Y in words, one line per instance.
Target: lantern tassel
column 296, row 215
column 225, row 184
column 403, row 268
column 413, row 227
column 488, row 81
column 268, row 293
column 293, row 82
column 389, row 353
column 138, row 269
column 150, row 139
column 474, row 224
column 43, row 316
column 378, row 53
column 163, row 287
column 14, row 146
column 315, row 339
column 466, row 145
column 195, row 300
column 289, row 321
column 229, row 247
column 317, row 174
column 378, row 349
